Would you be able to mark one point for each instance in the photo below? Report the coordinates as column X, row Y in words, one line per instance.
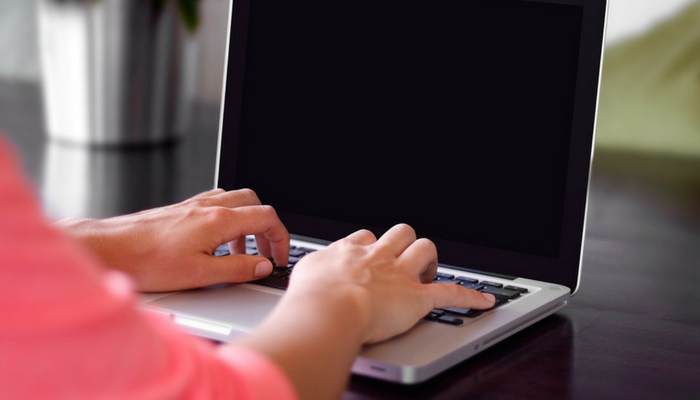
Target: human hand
column 170, row 248
column 357, row 290
column 383, row 280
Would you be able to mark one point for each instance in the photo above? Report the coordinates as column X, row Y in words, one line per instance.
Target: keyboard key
column 441, row 275
column 446, row 319
column 280, row 272
column 464, row 312
column 293, row 259
column 500, row 300
column 522, row 290
column 221, row 251
column 508, row 294
column 457, row 310
column 297, row 252
column 434, row 315
column 448, row 281
column 475, row 286
column 467, row 279
column 494, row 284
column 273, row 281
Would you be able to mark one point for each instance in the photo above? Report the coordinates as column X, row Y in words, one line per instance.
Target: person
column 71, row 328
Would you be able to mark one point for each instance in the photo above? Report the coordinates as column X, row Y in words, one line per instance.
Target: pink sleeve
column 69, row 327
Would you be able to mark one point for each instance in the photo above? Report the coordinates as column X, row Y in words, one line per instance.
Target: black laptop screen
column 453, row 116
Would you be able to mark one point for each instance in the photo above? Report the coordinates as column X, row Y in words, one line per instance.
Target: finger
column 209, row 193
column 274, row 244
column 231, row 199
column 421, row 257
column 232, row 269
column 362, row 237
column 237, row 246
column 271, row 235
column 397, row 239
column 453, row 295
column 265, row 249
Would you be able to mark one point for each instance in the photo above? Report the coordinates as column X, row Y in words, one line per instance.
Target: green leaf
column 189, row 11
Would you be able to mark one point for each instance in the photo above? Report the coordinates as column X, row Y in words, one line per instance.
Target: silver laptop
column 472, row 121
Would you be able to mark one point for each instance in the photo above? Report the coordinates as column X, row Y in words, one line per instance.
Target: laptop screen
column 468, row 120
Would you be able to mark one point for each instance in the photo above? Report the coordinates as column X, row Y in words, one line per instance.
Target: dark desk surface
column 632, row 331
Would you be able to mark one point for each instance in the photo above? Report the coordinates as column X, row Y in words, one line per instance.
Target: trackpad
column 220, row 312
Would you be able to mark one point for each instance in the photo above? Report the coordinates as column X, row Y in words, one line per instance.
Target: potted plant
column 117, row 72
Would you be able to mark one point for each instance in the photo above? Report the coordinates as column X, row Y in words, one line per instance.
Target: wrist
column 81, row 230
column 314, row 336
column 88, row 233
column 75, row 227
column 344, row 309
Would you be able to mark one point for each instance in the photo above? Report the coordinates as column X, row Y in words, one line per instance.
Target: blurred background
column 113, row 105
column 113, row 144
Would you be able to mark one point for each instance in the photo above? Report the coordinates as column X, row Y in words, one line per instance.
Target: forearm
column 84, row 232
column 99, row 237
column 315, row 347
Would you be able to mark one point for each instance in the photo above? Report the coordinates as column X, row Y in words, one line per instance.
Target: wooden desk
column 632, row 331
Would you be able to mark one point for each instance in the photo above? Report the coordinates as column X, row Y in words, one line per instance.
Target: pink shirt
column 69, row 328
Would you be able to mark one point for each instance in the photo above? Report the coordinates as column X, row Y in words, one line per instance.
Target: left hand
column 358, row 290
column 170, row 248
column 389, row 280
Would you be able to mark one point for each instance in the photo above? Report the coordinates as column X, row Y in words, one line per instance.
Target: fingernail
column 489, row 297
column 263, row 268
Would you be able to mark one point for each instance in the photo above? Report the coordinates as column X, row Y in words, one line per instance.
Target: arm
column 379, row 287
column 379, row 284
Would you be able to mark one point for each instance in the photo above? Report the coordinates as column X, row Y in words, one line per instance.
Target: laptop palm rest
column 211, row 312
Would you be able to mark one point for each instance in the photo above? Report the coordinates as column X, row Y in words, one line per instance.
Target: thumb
column 237, row 268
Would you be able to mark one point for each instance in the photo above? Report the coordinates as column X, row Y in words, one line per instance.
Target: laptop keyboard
column 279, row 278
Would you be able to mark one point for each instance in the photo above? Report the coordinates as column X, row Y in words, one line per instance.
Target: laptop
column 472, row 121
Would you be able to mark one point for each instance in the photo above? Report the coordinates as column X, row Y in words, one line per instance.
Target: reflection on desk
column 93, row 181
column 103, row 182
column 519, row 366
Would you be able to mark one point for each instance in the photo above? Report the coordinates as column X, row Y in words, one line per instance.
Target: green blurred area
column 650, row 91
